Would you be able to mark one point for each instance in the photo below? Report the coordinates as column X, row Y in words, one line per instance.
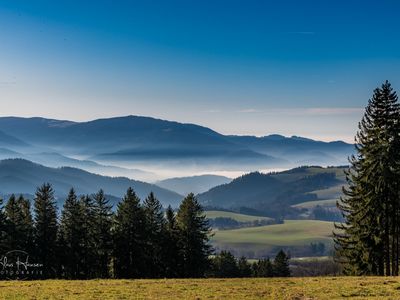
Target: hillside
column 22, row 176
column 274, row 194
column 193, row 184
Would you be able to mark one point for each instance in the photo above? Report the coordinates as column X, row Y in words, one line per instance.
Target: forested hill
column 274, row 194
column 23, row 176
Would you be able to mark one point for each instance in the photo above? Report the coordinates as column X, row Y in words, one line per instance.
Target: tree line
column 139, row 240
column 367, row 242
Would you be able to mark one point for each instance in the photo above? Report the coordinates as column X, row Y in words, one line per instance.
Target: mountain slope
column 22, row 176
column 273, row 194
column 193, row 184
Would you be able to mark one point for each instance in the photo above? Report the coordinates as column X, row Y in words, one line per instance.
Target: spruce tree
column 224, row 265
column 263, row 268
column 194, row 233
column 367, row 243
column 19, row 224
column 171, row 254
column 3, row 230
column 102, row 224
column 244, row 267
column 155, row 231
column 72, row 236
column 281, row 265
column 88, row 237
column 45, row 229
column 26, row 227
column 129, row 238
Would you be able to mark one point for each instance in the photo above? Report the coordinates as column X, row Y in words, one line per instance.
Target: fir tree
column 172, row 259
column 263, row 268
column 102, row 222
column 45, row 230
column 224, row 265
column 244, row 267
column 3, row 230
column 19, row 224
column 281, row 265
column 129, row 238
column 155, row 230
column 72, row 236
column 194, row 234
column 89, row 260
column 368, row 241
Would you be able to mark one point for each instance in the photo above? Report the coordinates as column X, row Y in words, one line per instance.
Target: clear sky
column 240, row 67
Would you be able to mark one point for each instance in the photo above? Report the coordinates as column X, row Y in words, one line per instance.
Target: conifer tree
column 102, row 243
column 19, row 224
column 171, row 253
column 129, row 238
column 26, row 227
column 45, row 230
column 244, row 267
column 194, row 233
column 281, row 265
column 88, row 239
column 263, row 268
column 155, row 230
column 367, row 243
column 224, row 265
column 72, row 236
column 3, row 230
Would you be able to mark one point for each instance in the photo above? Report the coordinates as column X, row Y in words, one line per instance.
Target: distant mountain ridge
column 134, row 139
column 193, row 184
column 23, row 176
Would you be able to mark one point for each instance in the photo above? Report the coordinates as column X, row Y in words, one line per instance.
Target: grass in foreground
column 260, row 288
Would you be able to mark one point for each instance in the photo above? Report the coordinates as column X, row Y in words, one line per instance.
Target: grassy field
column 260, row 288
column 212, row 214
column 293, row 233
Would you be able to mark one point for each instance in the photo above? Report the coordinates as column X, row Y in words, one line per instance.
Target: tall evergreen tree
column 88, row 238
column 26, row 227
column 194, row 233
column 102, row 224
column 129, row 238
column 281, row 265
column 45, row 230
column 3, row 230
column 72, row 236
column 155, row 230
column 171, row 254
column 368, row 241
column 263, row 268
column 19, row 224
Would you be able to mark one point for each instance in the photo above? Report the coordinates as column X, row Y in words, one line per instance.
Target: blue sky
column 240, row 67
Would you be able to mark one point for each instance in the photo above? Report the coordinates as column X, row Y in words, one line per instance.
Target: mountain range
column 146, row 144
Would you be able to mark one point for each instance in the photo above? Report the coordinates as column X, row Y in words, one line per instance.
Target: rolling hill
column 294, row 236
column 22, row 176
column 193, row 184
column 274, row 194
